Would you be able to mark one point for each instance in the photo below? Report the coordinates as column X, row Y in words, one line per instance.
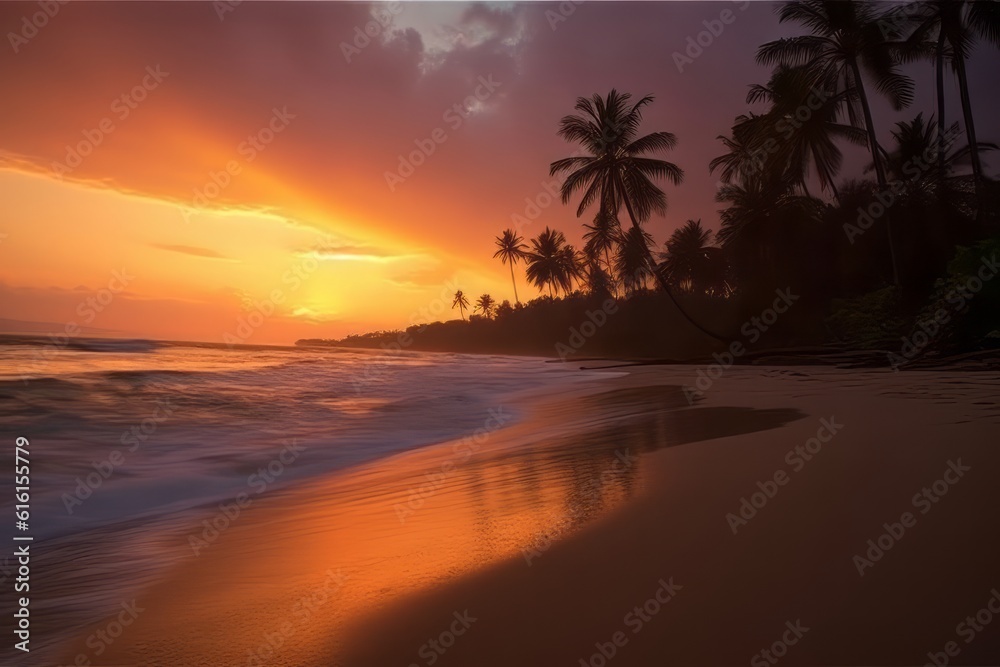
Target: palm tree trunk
column 662, row 283
column 939, row 67
column 611, row 273
column 513, row 283
column 970, row 131
column 859, row 85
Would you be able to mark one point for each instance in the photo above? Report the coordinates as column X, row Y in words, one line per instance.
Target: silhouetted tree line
column 869, row 255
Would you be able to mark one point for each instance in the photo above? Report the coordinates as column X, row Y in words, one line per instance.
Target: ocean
column 132, row 429
column 135, row 444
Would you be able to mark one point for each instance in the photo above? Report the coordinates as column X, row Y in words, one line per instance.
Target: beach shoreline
column 489, row 538
column 981, row 359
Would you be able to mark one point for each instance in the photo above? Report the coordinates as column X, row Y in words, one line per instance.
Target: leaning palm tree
column 510, row 250
column 460, row 302
column 547, row 262
column 485, row 304
column 949, row 29
column 845, row 41
column 615, row 172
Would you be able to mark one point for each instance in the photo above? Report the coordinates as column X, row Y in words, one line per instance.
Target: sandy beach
column 482, row 334
column 610, row 527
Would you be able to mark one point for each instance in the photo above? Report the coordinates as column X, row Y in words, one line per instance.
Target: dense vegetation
column 903, row 252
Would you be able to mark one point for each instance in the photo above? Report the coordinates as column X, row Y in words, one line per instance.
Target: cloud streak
column 191, row 250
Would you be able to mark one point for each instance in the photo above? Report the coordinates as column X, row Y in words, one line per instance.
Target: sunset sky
column 267, row 92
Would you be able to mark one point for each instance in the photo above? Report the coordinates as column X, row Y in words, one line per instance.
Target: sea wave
column 120, row 436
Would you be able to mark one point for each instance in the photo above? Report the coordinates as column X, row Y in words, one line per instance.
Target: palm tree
column 460, row 302
column 921, row 43
column 572, row 262
column 714, row 274
column 631, row 259
column 601, row 237
column 916, row 135
column 808, row 140
column 504, row 309
column 753, row 203
column 759, row 219
column 486, row 304
column 918, row 138
column 939, row 208
column 685, row 257
column 845, row 41
column 511, row 250
column 955, row 26
column 547, row 262
column 598, row 279
column 615, row 172
column 745, row 158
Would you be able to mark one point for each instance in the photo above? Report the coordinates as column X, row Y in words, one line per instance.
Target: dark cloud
column 355, row 121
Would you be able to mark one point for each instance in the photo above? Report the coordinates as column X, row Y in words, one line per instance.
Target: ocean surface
column 135, row 444
column 127, row 429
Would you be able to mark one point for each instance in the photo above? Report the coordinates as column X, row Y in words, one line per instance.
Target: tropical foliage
column 510, row 250
column 461, row 302
column 550, row 262
column 485, row 305
column 874, row 241
column 691, row 264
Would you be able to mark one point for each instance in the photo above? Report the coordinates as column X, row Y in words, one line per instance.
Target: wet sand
column 535, row 545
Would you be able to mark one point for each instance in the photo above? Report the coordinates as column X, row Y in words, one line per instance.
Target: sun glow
column 197, row 271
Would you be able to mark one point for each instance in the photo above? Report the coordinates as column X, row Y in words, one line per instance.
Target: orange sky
column 164, row 98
